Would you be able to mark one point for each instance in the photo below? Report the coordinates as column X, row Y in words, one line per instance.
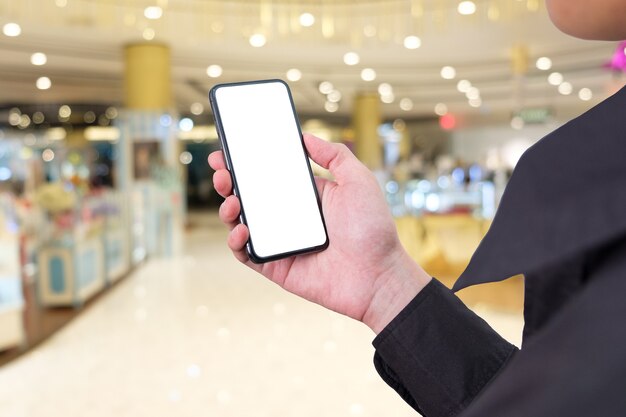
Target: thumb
column 335, row 157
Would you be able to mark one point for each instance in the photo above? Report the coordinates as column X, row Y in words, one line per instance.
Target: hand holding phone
column 265, row 154
column 364, row 273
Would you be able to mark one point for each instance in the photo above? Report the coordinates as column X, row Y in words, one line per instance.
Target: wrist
column 394, row 289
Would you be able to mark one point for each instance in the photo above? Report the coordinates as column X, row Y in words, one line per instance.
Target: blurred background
column 117, row 292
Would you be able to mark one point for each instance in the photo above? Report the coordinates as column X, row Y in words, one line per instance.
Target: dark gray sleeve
column 575, row 364
column 437, row 354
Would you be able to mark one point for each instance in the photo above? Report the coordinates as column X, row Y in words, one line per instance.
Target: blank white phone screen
column 270, row 167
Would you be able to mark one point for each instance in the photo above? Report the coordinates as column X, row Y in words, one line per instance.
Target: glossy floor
column 200, row 335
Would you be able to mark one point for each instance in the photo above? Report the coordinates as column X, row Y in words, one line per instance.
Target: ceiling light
column 148, row 34
column 14, row 118
column 185, row 124
column 294, row 74
column 441, row 109
column 387, row 98
column 555, row 78
column 38, row 58
column 65, row 111
column 257, row 40
column 331, row 107
column 38, row 117
column 214, row 71
column 334, row 96
column 185, row 157
column 12, row 30
column 463, row 86
column 24, row 121
column 47, row 155
column 475, row 102
column 153, row 12
column 448, row 73
column 110, row 113
column 351, row 58
column 385, row 89
column 43, row 83
column 89, row 117
column 368, row 74
column 307, row 19
column 196, row 108
column 466, row 7
column 544, row 63
column 585, row 94
column 412, row 42
column 565, row 88
column 15, row 115
column 472, row 93
column 326, row 87
column 61, row 3
column 406, row 104
column 103, row 120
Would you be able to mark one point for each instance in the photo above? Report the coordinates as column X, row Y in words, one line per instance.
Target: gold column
column 366, row 119
column 147, row 79
column 405, row 143
column 519, row 59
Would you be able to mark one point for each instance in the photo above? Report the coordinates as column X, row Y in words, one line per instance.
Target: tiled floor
column 200, row 335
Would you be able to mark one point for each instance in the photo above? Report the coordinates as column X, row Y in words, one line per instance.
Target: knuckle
column 343, row 152
column 216, row 179
column 341, row 155
column 222, row 210
column 229, row 212
column 342, row 148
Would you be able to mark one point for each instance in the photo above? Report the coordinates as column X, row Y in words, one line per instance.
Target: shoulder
column 562, row 198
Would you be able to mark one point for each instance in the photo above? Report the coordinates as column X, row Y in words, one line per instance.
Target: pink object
column 618, row 61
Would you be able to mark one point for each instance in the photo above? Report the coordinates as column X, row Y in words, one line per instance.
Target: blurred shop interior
column 105, row 130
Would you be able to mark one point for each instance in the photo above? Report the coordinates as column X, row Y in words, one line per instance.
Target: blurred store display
column 74, row 219
column 11, row 298
column 442, row 204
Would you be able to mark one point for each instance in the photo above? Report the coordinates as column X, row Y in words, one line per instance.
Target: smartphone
column 264, row 150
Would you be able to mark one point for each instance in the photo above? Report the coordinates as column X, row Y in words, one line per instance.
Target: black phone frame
column 254, row 257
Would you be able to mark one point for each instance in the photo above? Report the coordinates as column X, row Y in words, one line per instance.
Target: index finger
column 216, row 160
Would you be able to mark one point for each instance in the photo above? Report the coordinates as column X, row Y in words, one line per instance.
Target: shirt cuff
column 437, row 354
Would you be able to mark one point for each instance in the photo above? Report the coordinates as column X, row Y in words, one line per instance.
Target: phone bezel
column 254, row 257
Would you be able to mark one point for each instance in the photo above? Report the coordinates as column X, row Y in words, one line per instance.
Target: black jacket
column 561, row 223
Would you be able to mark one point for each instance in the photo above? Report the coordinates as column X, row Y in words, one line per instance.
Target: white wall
column 478, row 144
